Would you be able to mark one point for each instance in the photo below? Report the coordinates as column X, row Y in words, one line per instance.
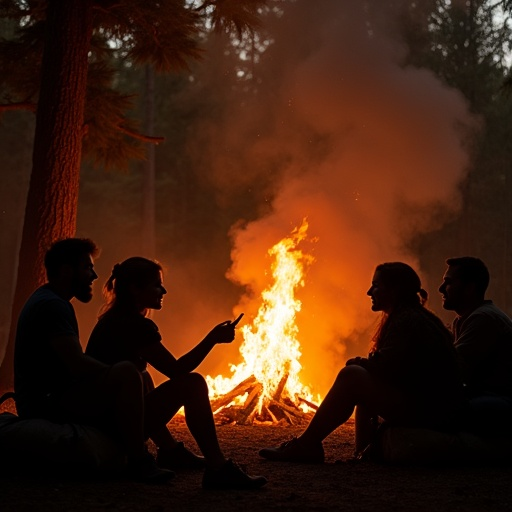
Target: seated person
column 56, row 381
column 124, row 333
column 483, row 342
column 409, row 379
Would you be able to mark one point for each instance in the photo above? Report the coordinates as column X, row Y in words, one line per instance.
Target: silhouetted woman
column 410, row 377
column 124, row 333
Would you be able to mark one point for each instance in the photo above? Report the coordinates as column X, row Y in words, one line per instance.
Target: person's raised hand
column 223, row 333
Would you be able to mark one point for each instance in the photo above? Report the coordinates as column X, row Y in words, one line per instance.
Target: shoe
column 179, row 458
column 146, row 470
column 231, row 476
column 292, row 451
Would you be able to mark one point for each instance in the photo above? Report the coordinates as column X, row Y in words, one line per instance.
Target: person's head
column 395, row 284
column 135, row 284
column 464, row 284
column 70, row 267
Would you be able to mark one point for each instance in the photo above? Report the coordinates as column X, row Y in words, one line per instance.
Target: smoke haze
column 369, row 150
column 339, row 131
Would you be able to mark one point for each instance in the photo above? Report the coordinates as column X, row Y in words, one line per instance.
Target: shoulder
column 126, row 324
column 421, row 323
column 418, row 316
column 46, row 315
column 146, row 323
column 488, row 308
column 492, row 319
column 488, row 313
column 44, row 294
column 128, row 318
column 46, row 301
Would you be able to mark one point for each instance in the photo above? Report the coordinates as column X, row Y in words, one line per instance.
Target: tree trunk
column 50, row 212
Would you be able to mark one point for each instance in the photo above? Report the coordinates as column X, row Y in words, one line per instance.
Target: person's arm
column 57, row 318
column 69, row 351
column 163, row 361
column 401, row 349
column 474, row 344
column 388, row 361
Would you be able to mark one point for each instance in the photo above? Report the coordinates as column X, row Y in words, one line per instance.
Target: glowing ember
column 267, row 382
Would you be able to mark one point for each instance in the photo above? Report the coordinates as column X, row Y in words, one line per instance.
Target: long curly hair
column 136, row 271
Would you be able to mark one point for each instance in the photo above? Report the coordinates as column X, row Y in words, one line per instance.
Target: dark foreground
column 349, row 487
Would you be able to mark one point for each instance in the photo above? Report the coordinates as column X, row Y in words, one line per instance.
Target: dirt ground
column 361, row 486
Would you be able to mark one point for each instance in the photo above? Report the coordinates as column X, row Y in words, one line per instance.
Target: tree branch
column 140, row 136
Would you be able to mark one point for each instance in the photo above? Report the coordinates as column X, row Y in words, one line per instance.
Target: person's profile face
column 150, row 296
column 83, row 277
column 381, row 294
column 452, row 289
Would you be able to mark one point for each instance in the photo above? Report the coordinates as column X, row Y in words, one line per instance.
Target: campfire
column 265, row 388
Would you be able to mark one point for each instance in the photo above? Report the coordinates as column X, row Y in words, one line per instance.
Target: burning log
column 294, row 411
column 311, row 405
column 227, row 415
column 276, row 410
column 239, row 390
column 241, row 414
column 280, row 387
column 267, row 415
column 250, row 407
column 274, row 406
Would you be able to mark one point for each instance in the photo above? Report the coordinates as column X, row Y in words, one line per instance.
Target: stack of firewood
column 278, row 409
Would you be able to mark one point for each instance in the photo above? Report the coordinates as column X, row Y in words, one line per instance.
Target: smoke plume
column 369, row 149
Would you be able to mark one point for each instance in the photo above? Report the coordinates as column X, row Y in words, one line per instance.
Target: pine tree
column 59, row 63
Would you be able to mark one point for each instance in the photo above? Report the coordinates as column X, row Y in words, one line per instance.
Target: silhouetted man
column 483, row 341
column 55, row 380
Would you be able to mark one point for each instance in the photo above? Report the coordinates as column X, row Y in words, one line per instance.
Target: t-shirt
column 119, row 336
column 483, row 341
column 38, row 371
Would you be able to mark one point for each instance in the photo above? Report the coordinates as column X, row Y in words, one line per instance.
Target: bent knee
column 352, row 373
column 195, row 380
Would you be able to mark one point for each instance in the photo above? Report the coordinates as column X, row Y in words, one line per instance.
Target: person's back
column 119, row 336
column 483, row 341
column 38, row 371
column 416, row 354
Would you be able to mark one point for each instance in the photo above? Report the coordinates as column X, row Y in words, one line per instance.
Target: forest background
column 388, row 124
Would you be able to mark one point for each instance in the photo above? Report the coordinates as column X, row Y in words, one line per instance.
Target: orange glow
column 270, row 350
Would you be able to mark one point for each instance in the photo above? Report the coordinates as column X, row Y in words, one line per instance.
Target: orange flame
column 270, row 348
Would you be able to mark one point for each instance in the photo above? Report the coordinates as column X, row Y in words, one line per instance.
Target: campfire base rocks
column 276, row 410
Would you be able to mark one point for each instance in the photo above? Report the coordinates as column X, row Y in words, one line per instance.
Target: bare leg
column 190, row 391
column 353, row 386
column 161, row 435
